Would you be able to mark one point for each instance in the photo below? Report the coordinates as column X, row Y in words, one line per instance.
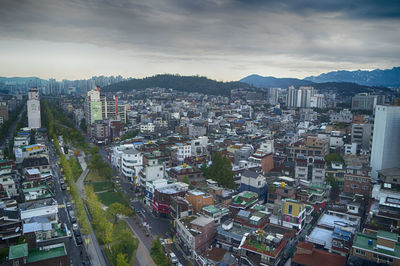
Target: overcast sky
column 220, row 39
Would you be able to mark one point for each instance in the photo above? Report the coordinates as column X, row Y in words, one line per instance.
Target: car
column 68, row 205
column 77, row 232
column 78, row 240
column 75, row 226
column 63, row 187
column 173, row 258
column 73, row 219
column 61, row 181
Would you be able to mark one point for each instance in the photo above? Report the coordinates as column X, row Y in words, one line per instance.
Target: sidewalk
column 93, row 249
column 142, row 253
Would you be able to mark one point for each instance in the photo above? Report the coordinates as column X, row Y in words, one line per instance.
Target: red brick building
column 357, row 181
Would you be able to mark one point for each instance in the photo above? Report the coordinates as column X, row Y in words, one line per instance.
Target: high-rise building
column 292, row 97
column 273, row 96
column 304, row 97
column 385, row 151
column 365, row 101
column 33, row 106
column 93, row 107
column 3, row 112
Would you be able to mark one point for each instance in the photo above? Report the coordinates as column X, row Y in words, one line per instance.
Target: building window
column 360, row 252
column 290, row 209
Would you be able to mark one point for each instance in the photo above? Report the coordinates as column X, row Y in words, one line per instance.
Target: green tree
column 157, row 253
column 221, row 171
column 333, row 157
column 122, row 260
column 117, row 208
column 82, row 125
column 334, row 187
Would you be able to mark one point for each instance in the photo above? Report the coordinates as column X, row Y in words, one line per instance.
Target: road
column 11, row 130
column 75, row 252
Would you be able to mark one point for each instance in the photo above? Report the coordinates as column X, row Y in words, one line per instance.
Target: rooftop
column 45, row 253
column 388, row 235
column 202, row 221
column 368, row 242
column 18, row 251
column 317, row 257
column 390, row 172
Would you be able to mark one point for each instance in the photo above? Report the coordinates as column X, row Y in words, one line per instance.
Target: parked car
column 62, row 181
column 72, row 216
column 78, row 240
column 173, row 258
column 63, row 187
column 75, row 226
column 68, row 205
column 77, row 232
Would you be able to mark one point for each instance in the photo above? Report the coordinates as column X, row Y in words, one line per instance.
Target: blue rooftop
column 341, row 234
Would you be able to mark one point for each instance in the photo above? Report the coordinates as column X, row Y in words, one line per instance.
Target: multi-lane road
column 77, row 253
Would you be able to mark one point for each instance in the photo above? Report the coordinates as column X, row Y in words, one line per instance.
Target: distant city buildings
column 304, row 97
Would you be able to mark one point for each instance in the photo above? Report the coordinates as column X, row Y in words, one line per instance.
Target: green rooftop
column 361, row 241
column 18, row 251
column 211, row 209
column 248, row 194
column 38, row 255
column 388, row 235
column 258, row 207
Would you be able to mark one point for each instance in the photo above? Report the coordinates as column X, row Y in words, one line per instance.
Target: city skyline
column 223, row 40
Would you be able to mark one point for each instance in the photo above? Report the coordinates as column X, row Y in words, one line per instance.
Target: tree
column 122, row 260
column 221, row 171
column 117, row 208
column 32, row 137
column 157, row 253
column 333, row 157
column 108, row 229
column 82, row 125
column 334, row 187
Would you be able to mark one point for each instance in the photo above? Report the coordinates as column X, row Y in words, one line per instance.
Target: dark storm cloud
column 250, row 31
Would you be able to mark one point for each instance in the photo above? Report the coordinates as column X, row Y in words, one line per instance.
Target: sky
column 220, row 39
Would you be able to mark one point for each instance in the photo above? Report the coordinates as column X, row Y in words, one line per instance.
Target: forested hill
column 180, row 83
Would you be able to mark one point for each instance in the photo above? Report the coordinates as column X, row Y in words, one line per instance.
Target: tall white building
column 33, row 106
column 273, row 96
column 385, row 151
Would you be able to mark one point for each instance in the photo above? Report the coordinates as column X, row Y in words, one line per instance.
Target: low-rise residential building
column 196, row 233
column 255, row 182
column 357, row 180
column 48, row 255
column 243, row 201
column 308, row 255
column 311, row 169
column 162, row 197
column 186, row 173
column 384, row 247
column 39, row 209
column 198, row 200
column 10, row 224
column 262, row 248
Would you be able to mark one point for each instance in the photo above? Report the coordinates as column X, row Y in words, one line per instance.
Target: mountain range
column 377, row 77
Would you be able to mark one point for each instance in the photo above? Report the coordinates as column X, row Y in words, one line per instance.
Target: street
column 76, row 253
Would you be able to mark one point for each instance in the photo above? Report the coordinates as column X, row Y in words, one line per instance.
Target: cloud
column 248, row 35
